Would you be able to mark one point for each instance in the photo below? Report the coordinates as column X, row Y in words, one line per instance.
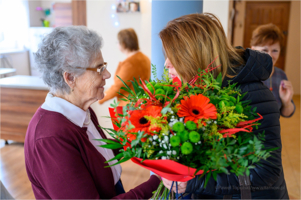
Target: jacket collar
column 258, row 67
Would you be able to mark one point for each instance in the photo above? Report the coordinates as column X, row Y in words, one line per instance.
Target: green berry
column 175, row 141
column 239, row 108
column 150, row 87
column 190, row 125
column 194, row 136
column 184, row 135
column 159, row 93
column 168, row 89
column 178, row 127
column 186, row 148
column 158, row 86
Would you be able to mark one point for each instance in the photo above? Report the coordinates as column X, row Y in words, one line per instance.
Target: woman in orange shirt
column 136, row 65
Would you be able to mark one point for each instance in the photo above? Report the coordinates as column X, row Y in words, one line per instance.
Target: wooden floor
column 290, row 135
column 14, row 178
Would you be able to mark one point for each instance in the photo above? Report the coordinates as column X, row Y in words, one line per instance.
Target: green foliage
column 154, row 71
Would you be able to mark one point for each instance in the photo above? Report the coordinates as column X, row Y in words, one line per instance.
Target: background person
column 136, row 65
column 63, row 159
column 190, row 43
column 269, row 39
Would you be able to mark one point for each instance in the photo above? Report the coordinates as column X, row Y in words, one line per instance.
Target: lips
column 172, row 76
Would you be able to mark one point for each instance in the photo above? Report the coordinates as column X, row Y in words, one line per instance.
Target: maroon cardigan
column 62, row 163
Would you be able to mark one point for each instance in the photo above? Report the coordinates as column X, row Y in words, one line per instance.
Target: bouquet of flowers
column 179, row 130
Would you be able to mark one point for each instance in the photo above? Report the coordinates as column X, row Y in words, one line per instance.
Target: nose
column 106, row 74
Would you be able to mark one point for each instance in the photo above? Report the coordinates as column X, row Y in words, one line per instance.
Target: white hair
column 66, row 49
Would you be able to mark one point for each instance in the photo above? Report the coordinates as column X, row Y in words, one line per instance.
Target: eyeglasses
column 99, row 69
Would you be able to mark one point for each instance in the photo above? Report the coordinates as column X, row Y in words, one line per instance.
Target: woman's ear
column 69, row 79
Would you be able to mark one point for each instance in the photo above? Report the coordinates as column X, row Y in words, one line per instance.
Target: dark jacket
column 267, row 179
column 62, row 163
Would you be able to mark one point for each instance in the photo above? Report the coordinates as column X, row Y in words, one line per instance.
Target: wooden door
column 264, row 12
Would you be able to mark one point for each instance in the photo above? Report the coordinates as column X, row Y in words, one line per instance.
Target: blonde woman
column 190, row 43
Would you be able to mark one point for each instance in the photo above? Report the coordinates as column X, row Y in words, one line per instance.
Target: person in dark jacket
column 63, row 157
column 191, row 42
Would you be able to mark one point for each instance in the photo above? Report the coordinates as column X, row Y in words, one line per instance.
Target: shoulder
column 279, row 73
column 46, row 124
column 139, row 57
column 258, row 67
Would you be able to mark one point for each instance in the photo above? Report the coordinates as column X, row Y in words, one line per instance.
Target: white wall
column 34, row 15
column 219, row 8
column 99, row 19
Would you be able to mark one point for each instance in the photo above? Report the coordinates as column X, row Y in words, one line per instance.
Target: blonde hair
column 191, row 42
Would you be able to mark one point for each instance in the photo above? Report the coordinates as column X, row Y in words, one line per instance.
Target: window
column 14, row 24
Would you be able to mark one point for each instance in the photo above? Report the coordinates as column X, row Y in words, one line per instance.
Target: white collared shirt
column 82, row 118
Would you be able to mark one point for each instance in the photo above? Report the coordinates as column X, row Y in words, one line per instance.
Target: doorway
column 264, row 12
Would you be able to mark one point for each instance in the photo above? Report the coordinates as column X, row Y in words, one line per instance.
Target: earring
column 72, row 90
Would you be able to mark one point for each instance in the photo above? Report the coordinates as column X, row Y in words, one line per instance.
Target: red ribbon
column 245, row 126
column 193, row 80
column 168, row 169
column 148, row 91
column 240, row 124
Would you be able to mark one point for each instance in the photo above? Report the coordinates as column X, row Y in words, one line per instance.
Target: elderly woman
column 63, row 159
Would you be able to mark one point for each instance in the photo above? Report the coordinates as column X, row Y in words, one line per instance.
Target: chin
column 101, row 96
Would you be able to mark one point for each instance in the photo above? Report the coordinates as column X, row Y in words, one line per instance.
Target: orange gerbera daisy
column 196, row 107
column 138, row 119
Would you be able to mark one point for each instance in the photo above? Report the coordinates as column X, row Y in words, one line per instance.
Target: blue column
column 163, row 12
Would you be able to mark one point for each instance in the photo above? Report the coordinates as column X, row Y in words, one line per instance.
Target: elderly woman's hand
column 181, row 185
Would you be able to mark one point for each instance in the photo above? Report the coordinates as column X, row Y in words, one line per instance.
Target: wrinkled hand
column 286, row 92
column 181, row 185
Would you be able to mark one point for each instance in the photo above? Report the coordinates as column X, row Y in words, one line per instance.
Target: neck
column 72, row 98
column 273, row 70
column 130, row 53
